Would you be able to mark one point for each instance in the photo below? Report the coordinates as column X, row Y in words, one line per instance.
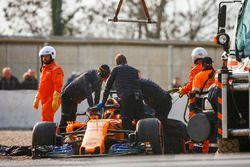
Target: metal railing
column 241, row 82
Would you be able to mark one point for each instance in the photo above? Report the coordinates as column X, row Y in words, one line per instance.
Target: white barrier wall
column 16, row 109
column 178, row 107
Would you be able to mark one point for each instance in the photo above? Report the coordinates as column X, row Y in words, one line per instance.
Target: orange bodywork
column 98, row 131
column 74, row 125
column 109, row 114
column 94, row 138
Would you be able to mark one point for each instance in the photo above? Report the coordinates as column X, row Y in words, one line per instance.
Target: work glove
column 36, row 101
column 55, row 102
column 180, row 92
column 100, row 106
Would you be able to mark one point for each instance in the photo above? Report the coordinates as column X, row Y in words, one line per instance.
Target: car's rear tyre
column 175, row 136
column 150, row 130
column 44, row 133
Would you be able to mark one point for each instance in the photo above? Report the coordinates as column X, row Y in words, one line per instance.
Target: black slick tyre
column 150, row 130
column 44, row 134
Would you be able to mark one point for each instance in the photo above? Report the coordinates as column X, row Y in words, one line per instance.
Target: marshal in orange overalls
column 51, row 80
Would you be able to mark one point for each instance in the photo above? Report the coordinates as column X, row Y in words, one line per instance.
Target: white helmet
column 48, row 50
column 198, row 53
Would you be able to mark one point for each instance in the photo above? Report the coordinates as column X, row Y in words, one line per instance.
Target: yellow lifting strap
column 145, row 8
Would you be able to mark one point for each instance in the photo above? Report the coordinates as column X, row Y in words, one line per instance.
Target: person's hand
column 36, row 101
column 180, row 92
column 100, row 106
column 55, row 102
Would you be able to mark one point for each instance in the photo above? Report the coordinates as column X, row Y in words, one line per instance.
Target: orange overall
column 51, row 80
column 201, row 83
column 188, row 87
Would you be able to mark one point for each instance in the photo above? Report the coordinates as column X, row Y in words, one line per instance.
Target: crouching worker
column 201, row 83
column 159, row 100
column 156, row 98
column 79, row 89
column 51, row 81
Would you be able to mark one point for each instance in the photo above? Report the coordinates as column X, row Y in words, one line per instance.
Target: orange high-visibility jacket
column 51, row 80
column 199, row 81
column 188, row 87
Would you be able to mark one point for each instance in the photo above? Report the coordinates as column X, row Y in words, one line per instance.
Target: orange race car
column 100, row 134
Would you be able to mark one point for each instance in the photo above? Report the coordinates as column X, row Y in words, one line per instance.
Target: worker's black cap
column 104, row 71
column 207, row 60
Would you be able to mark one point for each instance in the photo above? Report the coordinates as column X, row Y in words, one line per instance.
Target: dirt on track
column 15, row 138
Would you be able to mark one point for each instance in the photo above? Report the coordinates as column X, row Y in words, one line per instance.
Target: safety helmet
column 104, row 71
column 198, row 53
column 48, row 50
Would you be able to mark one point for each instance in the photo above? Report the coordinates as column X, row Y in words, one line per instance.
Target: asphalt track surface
column 191, row 160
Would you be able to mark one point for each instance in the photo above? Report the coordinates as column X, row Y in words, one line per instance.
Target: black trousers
column 163, row 108
column 68, row 112
column 131, row 109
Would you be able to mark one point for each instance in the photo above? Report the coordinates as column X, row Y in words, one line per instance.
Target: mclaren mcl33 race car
column 102, row 135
